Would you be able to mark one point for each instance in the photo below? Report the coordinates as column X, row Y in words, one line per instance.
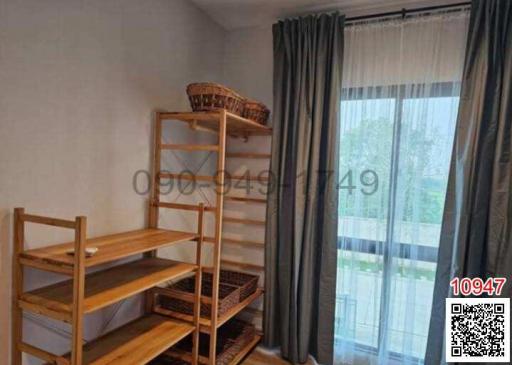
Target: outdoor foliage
column 368, row 146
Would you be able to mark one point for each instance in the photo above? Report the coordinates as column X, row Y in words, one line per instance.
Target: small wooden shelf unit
column 145, row 338
column 134, row 343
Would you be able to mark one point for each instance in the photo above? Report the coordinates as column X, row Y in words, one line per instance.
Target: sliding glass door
column 395, row 150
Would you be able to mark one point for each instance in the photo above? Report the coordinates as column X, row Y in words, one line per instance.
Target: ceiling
column 233, row 14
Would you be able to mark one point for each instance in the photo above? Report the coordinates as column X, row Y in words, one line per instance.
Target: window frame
column 399, row 93
column 421, row 252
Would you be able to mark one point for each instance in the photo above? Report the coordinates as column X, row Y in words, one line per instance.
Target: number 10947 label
column 476, row 286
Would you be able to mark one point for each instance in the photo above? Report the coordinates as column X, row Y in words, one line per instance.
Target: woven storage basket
column 246, row 282
column 256, row 111
column 238, row 334
column 232, row 337
column 229, row 296
column 208, row 96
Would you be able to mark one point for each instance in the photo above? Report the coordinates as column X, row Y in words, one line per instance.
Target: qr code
column 478, row 329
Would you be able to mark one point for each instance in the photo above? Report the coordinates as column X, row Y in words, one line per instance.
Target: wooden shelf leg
column 78, row 291
column 154, row 199
column 149, row 301
column 221, row 159
column 17, row 286
column 197, row 299
column 155, row 181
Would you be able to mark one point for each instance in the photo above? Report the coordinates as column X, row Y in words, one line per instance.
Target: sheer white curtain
column 401, row 83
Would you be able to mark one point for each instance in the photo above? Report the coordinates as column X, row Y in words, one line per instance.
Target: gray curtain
column 303, row 203
column 476, row 236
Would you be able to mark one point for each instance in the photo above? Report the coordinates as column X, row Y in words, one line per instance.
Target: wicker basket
column 231, row 339
column 207, row 96
column 229, row 296
column 256, row 111
column 237, row 334
column 246, row 282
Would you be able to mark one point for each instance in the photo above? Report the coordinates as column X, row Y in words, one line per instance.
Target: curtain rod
column 404, row 11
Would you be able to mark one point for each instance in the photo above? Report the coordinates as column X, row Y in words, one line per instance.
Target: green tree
column 368, row 146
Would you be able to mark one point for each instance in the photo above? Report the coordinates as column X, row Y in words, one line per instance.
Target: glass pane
column 426, row 139
column 365, row 158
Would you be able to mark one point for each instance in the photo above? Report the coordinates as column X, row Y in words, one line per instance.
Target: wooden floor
column 262, row 358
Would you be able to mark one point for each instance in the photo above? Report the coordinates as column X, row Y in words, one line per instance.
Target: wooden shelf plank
column 205, row 322
column 106, row 287
column 248, row 178
column 242, row 265
column 137, row 342
column 181, row 206
column 243, row 221
column 233, row 241
column 248, row 155
column 235, row 125
column 238, row 123
column 190, row 116
column 251, row 243
column 241, row 199
column 191, row 147
column 111, row 247
column 186, row 177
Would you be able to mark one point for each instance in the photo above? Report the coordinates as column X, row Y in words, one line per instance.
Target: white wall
column 79, row 81
column 248, row 60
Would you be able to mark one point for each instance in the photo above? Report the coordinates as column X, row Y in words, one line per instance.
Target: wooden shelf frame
column 214, row 122
column 223, row 124
column 70, row 300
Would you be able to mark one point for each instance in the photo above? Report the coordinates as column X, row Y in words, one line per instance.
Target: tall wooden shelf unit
column 223, row 124
column 135, row 343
